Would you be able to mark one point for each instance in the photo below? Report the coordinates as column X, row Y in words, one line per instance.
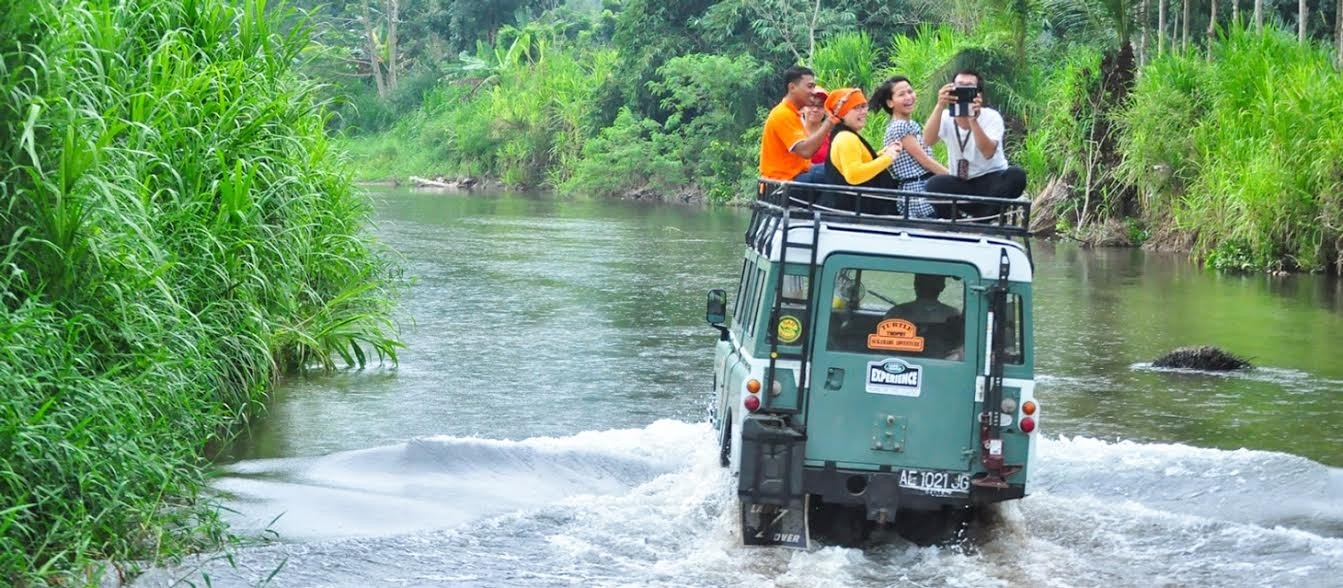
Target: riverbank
column 165, row 266
column 686, row 195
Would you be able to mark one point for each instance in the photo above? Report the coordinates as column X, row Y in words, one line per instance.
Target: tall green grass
column 175, row 232
column 1244, row 152
column 1065, row 109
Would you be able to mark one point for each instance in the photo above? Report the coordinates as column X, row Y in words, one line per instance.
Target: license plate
column 936, row 483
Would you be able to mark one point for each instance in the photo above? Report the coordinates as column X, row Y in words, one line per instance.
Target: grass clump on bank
column 1244, row 151
column 175, row 232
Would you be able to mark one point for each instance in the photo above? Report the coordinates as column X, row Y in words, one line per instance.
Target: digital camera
column 965, row 97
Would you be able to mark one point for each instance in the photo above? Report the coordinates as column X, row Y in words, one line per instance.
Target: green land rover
column 877, row 368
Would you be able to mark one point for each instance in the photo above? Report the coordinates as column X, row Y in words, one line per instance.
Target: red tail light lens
column 1027, row 424
column 753, row 403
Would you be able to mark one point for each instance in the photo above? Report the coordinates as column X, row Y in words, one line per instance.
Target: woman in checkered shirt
column 913, row 168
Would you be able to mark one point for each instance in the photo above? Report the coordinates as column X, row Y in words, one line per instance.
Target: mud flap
column 773, row 503
column 768, row 524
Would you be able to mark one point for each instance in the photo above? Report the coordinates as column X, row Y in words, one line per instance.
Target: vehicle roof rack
column 1010, row 218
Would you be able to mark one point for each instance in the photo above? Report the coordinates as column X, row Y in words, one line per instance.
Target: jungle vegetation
column 1200, row 125
column 176, row 233
column 178, row 230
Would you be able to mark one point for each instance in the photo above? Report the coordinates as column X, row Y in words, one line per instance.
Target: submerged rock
column 1205, row 357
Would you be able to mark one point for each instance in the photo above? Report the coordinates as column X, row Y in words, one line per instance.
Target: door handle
column 834, row 378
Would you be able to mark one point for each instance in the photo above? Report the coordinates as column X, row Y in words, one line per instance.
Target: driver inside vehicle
column 941, row 325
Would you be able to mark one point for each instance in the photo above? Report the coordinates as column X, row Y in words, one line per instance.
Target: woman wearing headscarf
column 852, row 161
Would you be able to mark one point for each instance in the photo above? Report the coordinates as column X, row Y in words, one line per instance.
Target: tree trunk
column 374, row 60
column 1174, row 29
column 1212, row 26
column 1258, row 15
column 1160, row 26
column 1184, row 22
column 1142, row 38
column 393, row 9
column 1338, row 42
column 1301, row 21
column 811, row 32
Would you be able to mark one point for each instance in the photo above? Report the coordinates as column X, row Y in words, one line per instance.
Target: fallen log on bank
column 442, row 183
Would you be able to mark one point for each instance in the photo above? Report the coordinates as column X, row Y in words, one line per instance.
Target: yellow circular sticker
column 790, row 329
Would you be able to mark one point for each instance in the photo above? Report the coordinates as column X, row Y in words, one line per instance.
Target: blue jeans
column 814, row 175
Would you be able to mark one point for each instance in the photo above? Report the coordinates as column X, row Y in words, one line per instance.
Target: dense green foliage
column 681, row 89
column 1244, row 152
column 672, row 101
column 175, row 232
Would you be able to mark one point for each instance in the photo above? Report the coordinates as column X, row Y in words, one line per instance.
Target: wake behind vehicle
column 877, row 368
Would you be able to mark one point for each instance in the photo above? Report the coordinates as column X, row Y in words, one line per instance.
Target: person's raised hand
column 945, row 97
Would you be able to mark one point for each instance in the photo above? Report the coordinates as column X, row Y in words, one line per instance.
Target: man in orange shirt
column 786, row 147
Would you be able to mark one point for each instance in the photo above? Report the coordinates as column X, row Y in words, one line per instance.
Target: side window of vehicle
column 794, row 320
column 796, row 289
column 747, row 295
column 758, row 291
column 898, row 313
column 1014, row 336
column 738, row 302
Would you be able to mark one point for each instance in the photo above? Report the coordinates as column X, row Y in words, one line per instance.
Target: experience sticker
column 894, row 377
column 790, row 329
column 896, row 335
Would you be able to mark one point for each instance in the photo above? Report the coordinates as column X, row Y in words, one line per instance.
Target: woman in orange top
column 852, row 161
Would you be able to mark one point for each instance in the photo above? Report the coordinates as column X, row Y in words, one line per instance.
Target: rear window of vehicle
column 898, row 313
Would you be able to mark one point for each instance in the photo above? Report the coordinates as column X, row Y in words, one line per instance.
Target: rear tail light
column 753, row 404
column 753, row 385
column 1027, row 424
column 1028, row 407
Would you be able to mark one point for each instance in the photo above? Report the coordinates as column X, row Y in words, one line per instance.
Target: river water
column 546, row 425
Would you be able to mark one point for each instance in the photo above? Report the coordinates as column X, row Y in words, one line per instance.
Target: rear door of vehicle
column 888, row 390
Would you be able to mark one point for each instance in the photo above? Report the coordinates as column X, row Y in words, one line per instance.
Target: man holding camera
column 974, row 136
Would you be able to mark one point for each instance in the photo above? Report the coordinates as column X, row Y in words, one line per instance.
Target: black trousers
column 1007, row 183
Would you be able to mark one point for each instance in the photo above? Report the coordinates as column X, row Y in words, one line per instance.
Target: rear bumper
column 773, row 473
column 883, row 490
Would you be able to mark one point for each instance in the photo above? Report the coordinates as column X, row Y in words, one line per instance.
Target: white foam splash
column 1103, row 513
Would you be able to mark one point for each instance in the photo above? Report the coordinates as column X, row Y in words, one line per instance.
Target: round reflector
column 1027, row 424
column 753, row 385
column 1028, row 407
column 753, row 403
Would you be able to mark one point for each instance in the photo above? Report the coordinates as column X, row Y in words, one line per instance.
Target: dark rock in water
column 1201, row 358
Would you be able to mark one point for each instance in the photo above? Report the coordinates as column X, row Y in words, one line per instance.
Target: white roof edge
column 979, row 250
